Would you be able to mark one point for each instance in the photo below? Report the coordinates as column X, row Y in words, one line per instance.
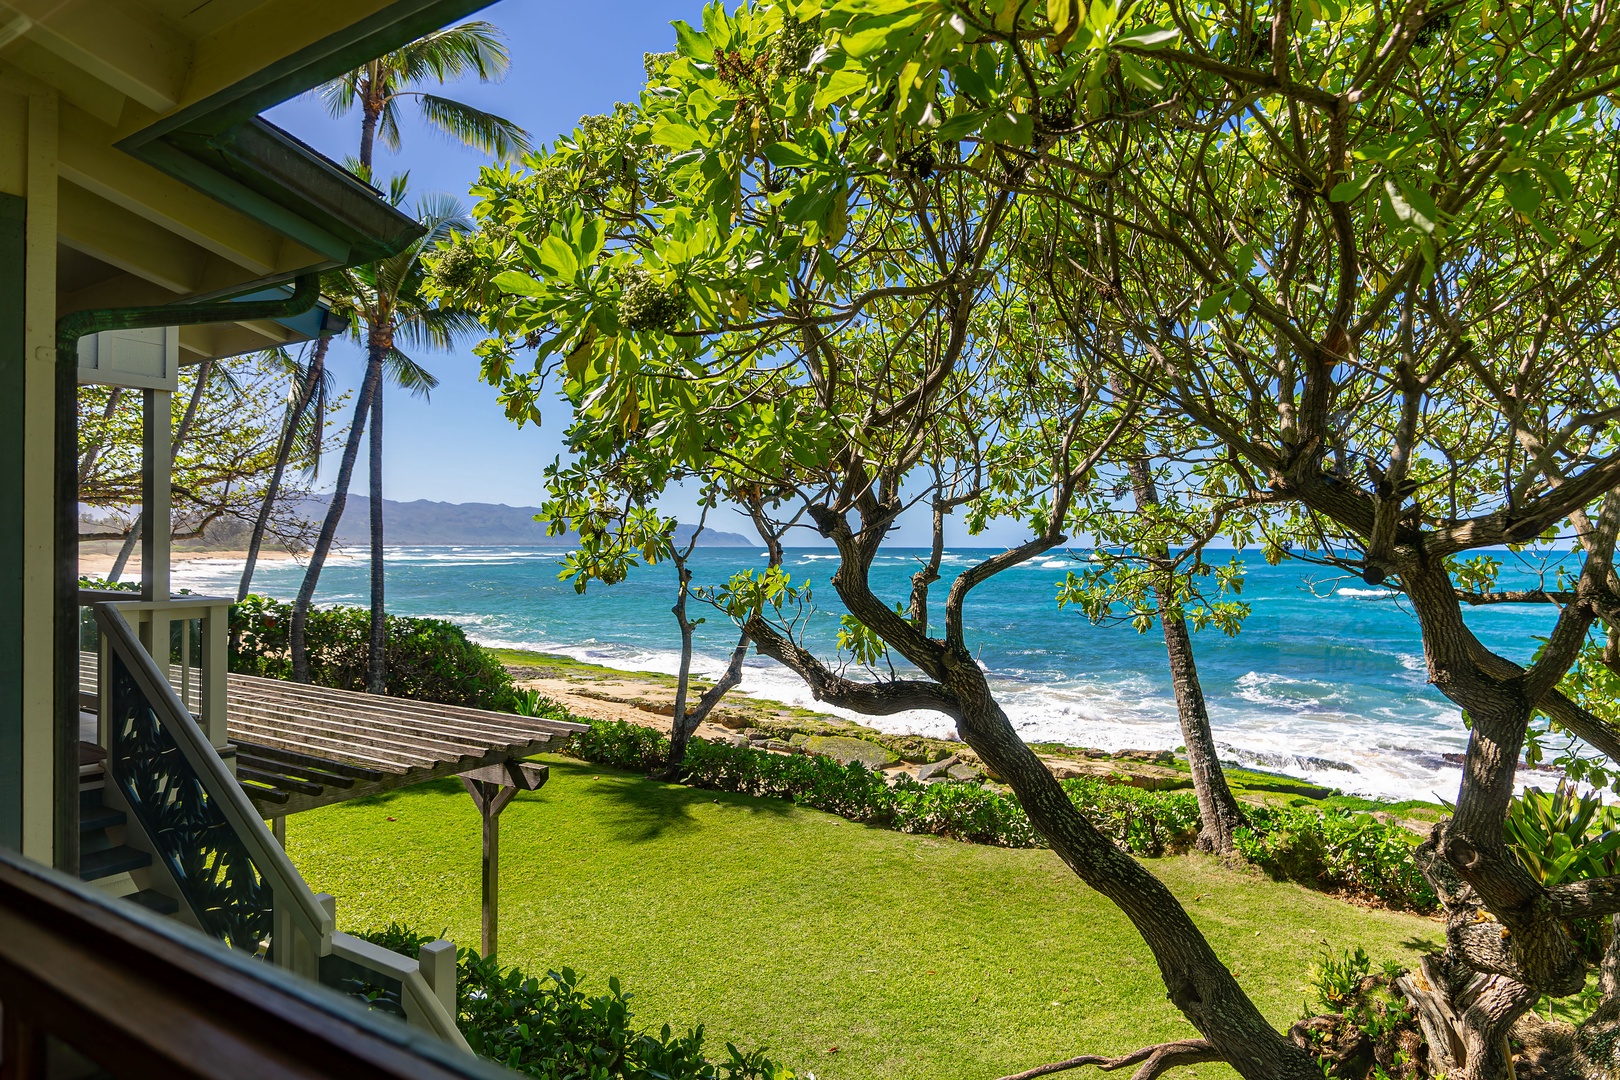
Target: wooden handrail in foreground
column 142, row 996
column 292, row 896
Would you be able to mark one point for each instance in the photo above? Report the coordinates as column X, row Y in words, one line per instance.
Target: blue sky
column 568, row 61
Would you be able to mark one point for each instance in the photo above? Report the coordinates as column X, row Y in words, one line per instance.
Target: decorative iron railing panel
column 211, row 866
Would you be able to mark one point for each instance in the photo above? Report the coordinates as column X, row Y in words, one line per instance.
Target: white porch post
column 157, row 454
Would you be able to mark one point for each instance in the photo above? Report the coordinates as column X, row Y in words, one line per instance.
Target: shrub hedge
column 1332, row 850
column 1143, row 822
column 428, row 659
column 550, row 1028
column 1337, row 851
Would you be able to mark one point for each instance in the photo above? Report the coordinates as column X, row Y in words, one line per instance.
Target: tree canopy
column 1336, row 276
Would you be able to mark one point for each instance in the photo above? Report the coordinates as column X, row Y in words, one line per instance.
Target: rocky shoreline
column 647, row 699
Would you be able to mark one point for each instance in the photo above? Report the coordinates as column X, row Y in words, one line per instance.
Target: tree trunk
column 679, row 731
column 87, row 463
column 204, row 373
column 376, row 654
column 334, row 514
column 125, row 552
column 295, row 416
column 1218, row 809
column 370, row 112
column 684, row 723
column 1198, row 983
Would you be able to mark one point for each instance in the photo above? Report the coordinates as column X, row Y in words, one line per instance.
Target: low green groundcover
column 839, row 949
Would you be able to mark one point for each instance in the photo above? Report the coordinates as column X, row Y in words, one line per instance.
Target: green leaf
column 960, row 127
column 1408, row 207
column 786, row 155
column 1010, row 127
column 1523, row 193
column 1148, row 37
column 557, row 257
column 1211, row 306
column 517, row 283
column 1555, row 178
column 676, row 136
column 876, row 34
column 1351, row 190
column 838, row 86
column 1139, row 75
column 692, row 42
column 1058, row 13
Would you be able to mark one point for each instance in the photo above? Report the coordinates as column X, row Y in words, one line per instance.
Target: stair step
column 153, row 900
column 92, row 818
column 94, row 865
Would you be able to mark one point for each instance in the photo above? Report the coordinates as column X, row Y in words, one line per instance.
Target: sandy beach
column 96, row 560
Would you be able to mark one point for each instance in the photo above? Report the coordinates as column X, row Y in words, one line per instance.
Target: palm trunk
column 334, row 514
column 1218, row 810
column 203, row 375
column 370, row 113
column 312, row 378
column 376, row 658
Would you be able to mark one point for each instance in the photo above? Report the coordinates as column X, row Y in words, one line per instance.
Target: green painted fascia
column 344, row 50
column 197, row 173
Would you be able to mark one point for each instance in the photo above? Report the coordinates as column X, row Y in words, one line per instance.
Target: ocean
column 1326, row 680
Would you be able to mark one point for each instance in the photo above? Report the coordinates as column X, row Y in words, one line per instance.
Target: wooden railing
column 234, row 878
column 141, row 996
column 195, row 657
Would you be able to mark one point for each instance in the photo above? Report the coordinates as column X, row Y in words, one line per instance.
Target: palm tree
column 391, row 311
column 378, row 88
column 302, row 432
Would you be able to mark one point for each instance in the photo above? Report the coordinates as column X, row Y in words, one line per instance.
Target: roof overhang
column 223, row 148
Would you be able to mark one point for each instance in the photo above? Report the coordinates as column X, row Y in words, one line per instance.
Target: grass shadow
column 1423, row 945
column 646, row 810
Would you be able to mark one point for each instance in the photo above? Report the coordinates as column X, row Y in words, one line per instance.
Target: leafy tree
column 1369, row 249
column 738, row 282
column 1364, row 249
column 223, row 463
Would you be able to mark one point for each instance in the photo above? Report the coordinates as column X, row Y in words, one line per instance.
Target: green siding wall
column 13, row 257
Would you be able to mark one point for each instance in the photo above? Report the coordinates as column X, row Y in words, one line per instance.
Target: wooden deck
column 299, row 746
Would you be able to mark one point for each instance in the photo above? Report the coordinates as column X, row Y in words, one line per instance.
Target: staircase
column 104, row 859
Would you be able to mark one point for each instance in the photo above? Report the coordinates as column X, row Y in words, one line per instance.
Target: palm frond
column 437, row 328
column 474, row 127
column 408, row 374
column 340, row 94
column 397, row 186
column 388, row 125
column 473, row 48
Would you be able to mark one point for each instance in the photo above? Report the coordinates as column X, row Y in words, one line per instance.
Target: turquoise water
column 1325, row 681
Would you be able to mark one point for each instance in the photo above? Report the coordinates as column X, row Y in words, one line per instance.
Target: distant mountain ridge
column 429, row 523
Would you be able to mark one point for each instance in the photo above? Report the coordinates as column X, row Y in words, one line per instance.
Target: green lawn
column 798, row 930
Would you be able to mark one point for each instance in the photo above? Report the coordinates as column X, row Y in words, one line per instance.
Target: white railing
column 201, row 670
column 302, row 928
